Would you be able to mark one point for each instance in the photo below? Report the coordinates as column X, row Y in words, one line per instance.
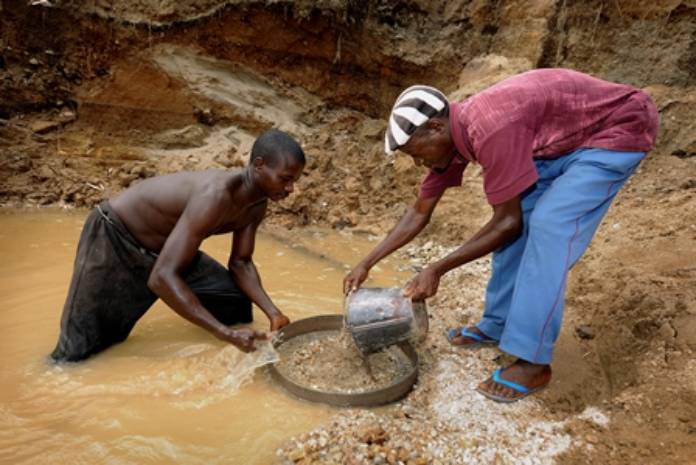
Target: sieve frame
column 388, row 394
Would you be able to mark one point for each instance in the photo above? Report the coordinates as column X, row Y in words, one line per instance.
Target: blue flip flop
column 525, row 391
column 480, row 340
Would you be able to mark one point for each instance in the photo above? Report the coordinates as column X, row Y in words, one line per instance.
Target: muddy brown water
column 171, row 393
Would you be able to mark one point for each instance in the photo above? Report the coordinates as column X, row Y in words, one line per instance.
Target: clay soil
column 95, row 96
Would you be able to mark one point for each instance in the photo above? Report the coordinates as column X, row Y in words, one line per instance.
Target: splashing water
column 195, row 376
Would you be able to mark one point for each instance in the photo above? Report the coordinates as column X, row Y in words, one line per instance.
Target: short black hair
column 273, row 144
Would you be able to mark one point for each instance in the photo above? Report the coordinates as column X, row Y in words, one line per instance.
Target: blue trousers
column 561, row 212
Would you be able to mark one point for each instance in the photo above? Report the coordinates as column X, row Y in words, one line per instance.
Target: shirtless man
column 143, row 244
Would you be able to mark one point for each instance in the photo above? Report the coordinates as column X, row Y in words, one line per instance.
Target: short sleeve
column 507, row 162
column 434, row 184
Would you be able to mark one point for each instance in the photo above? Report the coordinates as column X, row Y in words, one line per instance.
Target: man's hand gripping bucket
column 380, row 317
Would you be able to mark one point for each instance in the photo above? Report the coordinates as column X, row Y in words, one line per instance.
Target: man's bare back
column 151, row 209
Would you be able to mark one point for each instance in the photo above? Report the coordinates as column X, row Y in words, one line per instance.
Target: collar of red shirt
column 458, row 131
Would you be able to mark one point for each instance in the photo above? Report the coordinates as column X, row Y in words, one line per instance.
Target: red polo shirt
column 544, row 113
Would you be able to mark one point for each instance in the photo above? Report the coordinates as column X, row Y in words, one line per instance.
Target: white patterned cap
column 412, row 109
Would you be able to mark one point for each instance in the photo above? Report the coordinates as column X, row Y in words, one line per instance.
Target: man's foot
column 516, row 381
column 469, row 337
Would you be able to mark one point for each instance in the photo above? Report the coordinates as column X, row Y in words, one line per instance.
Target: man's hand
column 279, row 321
column 243, row 339
column 423, row 285
column 354, row 279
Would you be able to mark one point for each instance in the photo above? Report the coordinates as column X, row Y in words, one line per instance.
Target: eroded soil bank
column 96, row 96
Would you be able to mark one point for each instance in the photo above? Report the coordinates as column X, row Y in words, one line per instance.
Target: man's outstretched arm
column 247, row 277
column 408, row 227
column 504, row 226
column 177, row 254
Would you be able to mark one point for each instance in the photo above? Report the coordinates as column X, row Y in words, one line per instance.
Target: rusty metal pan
column 395, row 391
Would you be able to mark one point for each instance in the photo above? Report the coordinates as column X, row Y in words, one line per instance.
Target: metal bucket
column 395, row 391
column 380, row 317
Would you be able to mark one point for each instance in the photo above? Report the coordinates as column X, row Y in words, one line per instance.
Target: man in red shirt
column 555, row 147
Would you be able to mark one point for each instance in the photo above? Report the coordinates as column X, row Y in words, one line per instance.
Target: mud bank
column 96, row 97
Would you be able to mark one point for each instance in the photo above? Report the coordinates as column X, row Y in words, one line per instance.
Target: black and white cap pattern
column 412, row 108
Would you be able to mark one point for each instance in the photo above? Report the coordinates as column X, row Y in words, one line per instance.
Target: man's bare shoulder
column 222, row 198
column 170, row 194
column 217, row 185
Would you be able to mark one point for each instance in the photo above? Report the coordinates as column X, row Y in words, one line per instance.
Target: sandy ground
column 191, row 91
column 581, row 415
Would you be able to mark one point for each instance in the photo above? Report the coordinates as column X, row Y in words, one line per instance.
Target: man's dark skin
column 173, row 214
column 432, row 146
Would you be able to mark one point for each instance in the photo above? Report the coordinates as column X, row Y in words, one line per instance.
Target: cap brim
column 388, row 150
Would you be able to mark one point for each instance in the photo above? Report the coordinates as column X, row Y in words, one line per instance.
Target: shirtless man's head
column 276, row 162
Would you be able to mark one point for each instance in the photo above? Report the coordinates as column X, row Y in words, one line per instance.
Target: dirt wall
column 95, row 96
